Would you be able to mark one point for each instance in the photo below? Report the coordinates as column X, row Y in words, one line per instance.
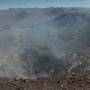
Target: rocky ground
column 79, row 81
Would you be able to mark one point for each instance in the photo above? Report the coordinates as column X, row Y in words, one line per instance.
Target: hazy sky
column 43, row 3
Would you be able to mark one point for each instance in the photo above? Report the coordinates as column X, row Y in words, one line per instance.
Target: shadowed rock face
column 35, row 41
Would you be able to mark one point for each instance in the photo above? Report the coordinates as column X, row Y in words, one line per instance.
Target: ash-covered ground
column 77, row 81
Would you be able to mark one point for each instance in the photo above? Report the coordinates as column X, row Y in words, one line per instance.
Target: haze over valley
column 38, row 41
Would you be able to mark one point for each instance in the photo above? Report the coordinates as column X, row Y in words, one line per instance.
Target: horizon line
column 38, row 7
